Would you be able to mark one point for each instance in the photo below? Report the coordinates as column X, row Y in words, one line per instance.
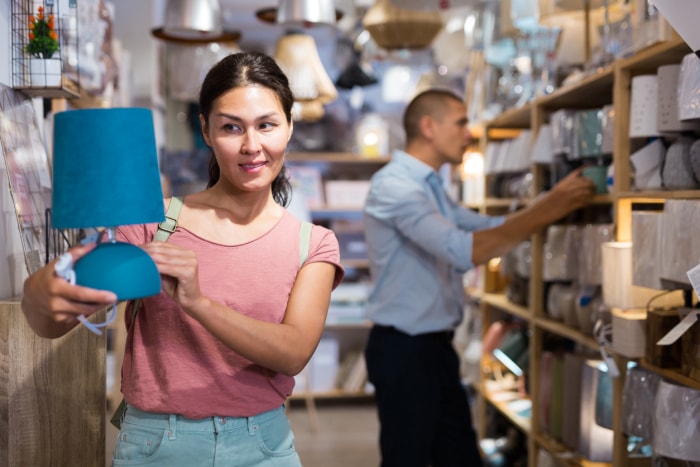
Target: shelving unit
column 609, row 85
column 351, row 336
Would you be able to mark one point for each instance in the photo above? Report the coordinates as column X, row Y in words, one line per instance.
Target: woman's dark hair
column 243, row 69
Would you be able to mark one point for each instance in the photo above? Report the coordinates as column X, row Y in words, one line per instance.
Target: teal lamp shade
column 105, row 174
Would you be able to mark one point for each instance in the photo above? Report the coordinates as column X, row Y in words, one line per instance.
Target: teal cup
column 599, row 175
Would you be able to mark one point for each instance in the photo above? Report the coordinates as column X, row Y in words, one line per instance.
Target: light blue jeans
column 151, row 439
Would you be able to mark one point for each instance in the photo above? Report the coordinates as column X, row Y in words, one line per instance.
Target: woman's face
column 248, row 132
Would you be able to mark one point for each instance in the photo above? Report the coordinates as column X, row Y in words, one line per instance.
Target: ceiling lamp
column 392, row 27
column 301, row 12
column 193, row 21
column 297, row 55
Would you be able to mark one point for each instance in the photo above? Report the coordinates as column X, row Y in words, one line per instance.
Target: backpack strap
column 304, row 241
column 169, row 225
column 165, row 228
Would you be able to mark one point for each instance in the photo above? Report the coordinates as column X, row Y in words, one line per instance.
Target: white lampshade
column 192, row 18
column 682, row 15
column 301, row 12
column 618, row 291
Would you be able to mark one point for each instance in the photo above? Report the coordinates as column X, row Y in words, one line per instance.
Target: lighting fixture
column 302, row 12
column 192, row 22
column 105, row 174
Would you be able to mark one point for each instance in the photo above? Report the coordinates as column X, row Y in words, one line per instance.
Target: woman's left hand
column 178, row 268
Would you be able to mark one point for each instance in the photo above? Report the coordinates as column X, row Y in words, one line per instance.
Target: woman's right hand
column 52, row 305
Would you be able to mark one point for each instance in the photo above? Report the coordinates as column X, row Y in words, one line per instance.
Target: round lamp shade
column 105, row 169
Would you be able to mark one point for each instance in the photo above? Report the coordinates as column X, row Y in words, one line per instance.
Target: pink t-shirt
column 173, row 365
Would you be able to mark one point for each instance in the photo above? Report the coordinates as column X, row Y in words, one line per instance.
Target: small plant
column 43, row 39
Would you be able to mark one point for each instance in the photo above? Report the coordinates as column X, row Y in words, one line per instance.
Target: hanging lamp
column 304, row 12
column 392, row 27
column 193, row 22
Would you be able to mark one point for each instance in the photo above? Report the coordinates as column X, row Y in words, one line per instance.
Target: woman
column 210, row 361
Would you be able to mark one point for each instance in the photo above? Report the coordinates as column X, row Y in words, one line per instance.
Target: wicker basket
column 397, row 28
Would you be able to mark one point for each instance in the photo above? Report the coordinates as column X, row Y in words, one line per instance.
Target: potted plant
column 45, row 70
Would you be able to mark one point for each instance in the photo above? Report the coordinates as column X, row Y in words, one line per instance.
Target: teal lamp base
column 122, row 268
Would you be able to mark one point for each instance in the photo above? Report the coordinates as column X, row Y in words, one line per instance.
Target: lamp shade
column 682, row 15
column 105, row 169
column 192, row 18
column 106, row 174
column 301, row 12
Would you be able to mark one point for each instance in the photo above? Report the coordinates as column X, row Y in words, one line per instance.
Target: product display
column 644, row 101
column 638, row 396
column 668, row 113
column 675, row 423
column 608, row 279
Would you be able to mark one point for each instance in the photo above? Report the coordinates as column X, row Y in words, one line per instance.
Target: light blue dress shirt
column 417, row 254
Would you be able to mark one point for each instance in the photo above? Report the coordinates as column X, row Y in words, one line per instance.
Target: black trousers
column 423, row 408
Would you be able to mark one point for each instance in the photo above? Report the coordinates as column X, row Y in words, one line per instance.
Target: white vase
column 45, row 72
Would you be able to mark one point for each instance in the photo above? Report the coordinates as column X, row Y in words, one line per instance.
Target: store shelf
column 650, row 58
column 658, row 195
column 336, row 157
column 501, row 302
column 592, row 91
column 504, row 401
column 671, row 374
column 610, row 85
column 561, row 329
column 340, row 325
column 355, row 263
column 563, row 454
column 513, row 118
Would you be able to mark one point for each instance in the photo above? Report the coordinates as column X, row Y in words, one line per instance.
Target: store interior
column 578, row 348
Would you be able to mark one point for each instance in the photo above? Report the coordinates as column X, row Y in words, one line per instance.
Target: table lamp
column 105, row 174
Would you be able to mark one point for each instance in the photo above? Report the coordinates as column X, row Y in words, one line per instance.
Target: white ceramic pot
column 45, row 72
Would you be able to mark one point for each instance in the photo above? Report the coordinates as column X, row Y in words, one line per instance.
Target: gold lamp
column 392, row 27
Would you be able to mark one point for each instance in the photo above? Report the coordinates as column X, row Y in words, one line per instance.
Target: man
column 420, row 244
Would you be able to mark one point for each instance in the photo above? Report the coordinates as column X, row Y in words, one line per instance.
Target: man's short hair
column 430, row 102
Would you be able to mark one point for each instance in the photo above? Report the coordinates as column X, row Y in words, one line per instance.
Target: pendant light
column 392, row 27
column 301, row 12
column 193, row 21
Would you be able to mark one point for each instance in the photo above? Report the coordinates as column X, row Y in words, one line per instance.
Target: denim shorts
column 172, row 440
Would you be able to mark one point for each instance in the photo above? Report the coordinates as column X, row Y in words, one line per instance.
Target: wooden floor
column 347, row 435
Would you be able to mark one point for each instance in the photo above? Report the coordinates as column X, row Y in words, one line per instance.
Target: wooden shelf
column 343, row 157
column 561, row 329
column 355, row 263
column 671, row 374
column 650, row 58
column 563, row 454
column 501, row 400
column 501, row 302
column 658, row 195
column 513, row 118
column 349, row 325
column 610, row 85
column 592, row 91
